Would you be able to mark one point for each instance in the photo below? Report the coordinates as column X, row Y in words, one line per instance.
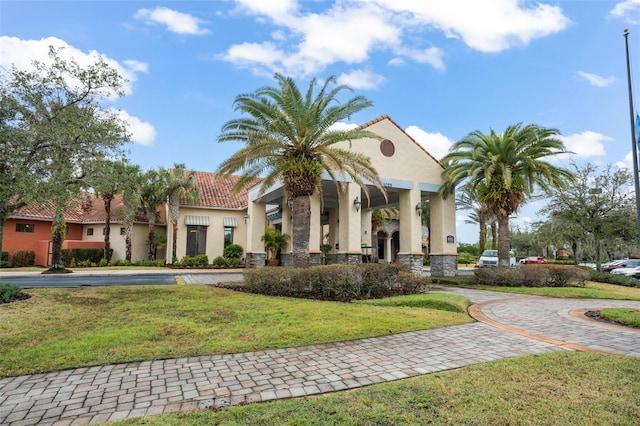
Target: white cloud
column 485, row 26
column 629, row 10
column 586, row 144
column 351, row 30
column 176, row 22
column 627, row 163
column 21, row 53
column 141, row 132
column 343, row 126
column 596, row 80
column 436, row 144
column 361, row 79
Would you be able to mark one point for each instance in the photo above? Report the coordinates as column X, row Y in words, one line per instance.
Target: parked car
column 531, row 260
column 629, row 272
column 489, row 258
column 624, row 263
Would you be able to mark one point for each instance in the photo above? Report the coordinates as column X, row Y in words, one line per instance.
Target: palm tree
column 480, row 215
column 131, row 202
column 181, row 187
column 505, row 169
column 288, row 137
column 107, row 182
column 153, row 194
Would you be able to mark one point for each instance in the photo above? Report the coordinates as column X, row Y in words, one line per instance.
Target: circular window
column 387, row 148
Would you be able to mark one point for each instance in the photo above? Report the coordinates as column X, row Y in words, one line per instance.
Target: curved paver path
column 111, row 392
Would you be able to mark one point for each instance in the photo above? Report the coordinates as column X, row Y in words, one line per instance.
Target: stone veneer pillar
column 444, row 265
column 256, row 260
column 414, row 261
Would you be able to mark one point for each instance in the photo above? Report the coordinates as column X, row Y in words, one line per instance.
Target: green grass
column 591, row 290
column 561, row 388
column 67, row 328
column 624, row 316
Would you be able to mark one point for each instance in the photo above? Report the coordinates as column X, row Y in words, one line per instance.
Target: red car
column 533, row 260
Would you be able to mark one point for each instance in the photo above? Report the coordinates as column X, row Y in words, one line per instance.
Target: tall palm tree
column 288, row 137
column 153, row 194
column 181, row 187
column 505, row 169
column 480, row 215
column 131, row 202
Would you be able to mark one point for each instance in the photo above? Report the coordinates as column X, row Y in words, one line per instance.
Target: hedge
column 83, row 255
column 532, row 276
column 23, row 258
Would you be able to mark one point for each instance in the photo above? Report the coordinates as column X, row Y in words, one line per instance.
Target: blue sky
column 441, row 69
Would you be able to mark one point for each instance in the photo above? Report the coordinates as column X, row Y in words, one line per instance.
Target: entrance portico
column 342, row 212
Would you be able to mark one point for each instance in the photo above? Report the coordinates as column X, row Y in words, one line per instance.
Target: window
column 228, row 236
column 104, row 231
column 122, row 231
column 89, row 231
column 196, row 240
column 24, row 227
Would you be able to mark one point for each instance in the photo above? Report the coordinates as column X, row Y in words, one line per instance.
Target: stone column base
column 315, row 259
column 256, row 260
column 348, row 258
column 444, row 265
column 414, row 261
column 286, row 259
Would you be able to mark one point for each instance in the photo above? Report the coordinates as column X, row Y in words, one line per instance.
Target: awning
column 230, row 222
column 196, row 220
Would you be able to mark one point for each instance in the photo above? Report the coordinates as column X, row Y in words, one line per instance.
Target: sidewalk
column 524, row 325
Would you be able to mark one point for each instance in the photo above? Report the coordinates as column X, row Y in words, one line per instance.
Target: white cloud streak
column 628, row 10
column 174, row 21
column 596, row 80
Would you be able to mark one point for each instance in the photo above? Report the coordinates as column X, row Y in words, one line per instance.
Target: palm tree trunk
column 301, row 224
column 174, row 255
column 494, row 240
column 482, row 240
column 152, row 234
column 107, row 226
column 503, row 241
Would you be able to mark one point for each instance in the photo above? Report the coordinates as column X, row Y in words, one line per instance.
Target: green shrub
column 532, row 276
column 200, row 260
column 220, row 261
column 103, row 262
column 466, row 258
column 609, row 278
column 5, row 264
column 81, row 255
column 10, row 292
column 23, row 258
column 4, row 256
column 160, row 262
column 339, row 282
column 233, row 251
column 186, row 261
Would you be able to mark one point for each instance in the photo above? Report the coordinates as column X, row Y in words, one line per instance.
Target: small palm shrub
column 11, row 292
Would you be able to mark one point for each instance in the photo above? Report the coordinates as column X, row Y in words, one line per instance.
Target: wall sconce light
column 290, row 202
column 357, row 204
column 246, row 218
column 419, row 209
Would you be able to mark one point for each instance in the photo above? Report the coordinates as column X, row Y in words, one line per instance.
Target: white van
column 490, row 258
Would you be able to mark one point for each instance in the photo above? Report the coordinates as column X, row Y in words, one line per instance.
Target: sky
column 440, row 68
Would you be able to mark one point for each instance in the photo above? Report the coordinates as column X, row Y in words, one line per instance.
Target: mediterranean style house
column 341, row 219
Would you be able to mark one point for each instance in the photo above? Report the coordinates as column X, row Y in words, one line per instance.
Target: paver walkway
column 111, row 392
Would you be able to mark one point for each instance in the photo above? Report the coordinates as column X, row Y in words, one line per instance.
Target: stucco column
column 315, row 235
column 256, row 224
column 285, row 256
column 350, row 225
column 410, row 250
column 388, row 255
column 443, row 247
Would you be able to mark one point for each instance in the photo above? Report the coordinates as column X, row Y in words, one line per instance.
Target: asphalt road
column 71, row 280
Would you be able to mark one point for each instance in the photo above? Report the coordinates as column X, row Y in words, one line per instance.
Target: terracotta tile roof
column 86, row 209
column 216, row 191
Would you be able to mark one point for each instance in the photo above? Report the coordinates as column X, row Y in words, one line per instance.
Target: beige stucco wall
column 138, row 242
column 215, row 231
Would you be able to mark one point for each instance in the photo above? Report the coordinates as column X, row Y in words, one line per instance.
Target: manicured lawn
column 630, row 317
column 561, row 388
column 592, row 290
column 66, row 328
